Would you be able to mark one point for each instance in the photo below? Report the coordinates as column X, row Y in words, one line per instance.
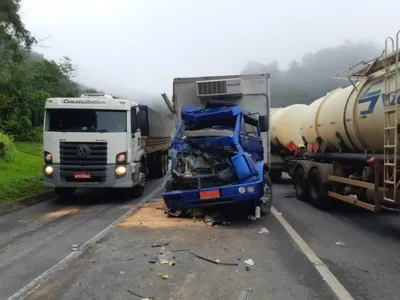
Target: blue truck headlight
column 250, row 189
column 242, row 190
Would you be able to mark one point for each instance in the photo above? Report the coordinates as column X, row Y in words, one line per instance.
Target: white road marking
column 43, row 278
column 327, row 276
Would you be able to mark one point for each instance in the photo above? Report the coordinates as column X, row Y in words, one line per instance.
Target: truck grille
column 83, row 154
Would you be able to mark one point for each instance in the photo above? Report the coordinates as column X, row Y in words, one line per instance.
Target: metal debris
column 217, row 262
column 143, row 297
column 153, row 260
column 172, row 263
column 163, row 262
column 159, row 245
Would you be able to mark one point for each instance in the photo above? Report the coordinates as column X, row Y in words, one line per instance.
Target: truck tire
column 318, row 192
column 64, row 193
column 266, row 199
column 164, row 164
column 137, row 190
column 276, row 176
column 300, row 185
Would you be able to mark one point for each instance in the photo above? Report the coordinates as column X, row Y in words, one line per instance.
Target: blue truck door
column 250, row 138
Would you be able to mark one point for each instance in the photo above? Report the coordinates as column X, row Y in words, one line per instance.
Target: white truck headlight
column 121, row 170
column 48, row 170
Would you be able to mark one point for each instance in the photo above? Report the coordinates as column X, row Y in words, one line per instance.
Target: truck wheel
column 64, row 193
column 300, row 185
column 139, row 188
column 318, row 193
column 276, row 176
column 266, row 199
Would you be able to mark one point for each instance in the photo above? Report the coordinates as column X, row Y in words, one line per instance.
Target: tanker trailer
column 351, row 138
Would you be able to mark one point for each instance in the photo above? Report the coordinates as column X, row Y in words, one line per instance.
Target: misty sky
column 124, row 45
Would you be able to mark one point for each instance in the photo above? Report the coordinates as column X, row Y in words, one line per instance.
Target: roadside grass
column 21, row 172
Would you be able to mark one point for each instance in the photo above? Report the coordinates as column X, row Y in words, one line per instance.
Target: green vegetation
column 27, row 79
column 21, row 172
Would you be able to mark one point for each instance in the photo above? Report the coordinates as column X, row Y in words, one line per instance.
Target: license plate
column 82, row 175
column 210, row 194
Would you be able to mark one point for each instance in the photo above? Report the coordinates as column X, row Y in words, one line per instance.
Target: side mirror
column 263, row 123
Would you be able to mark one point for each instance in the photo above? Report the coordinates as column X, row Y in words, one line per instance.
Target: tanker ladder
column 391, row 138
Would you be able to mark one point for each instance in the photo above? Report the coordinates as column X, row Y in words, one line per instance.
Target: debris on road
column 153, row 260
column 159, row 245
column 176, row 214
column 248, row 268
column 143, row 298
column 162, row 250
column 172, row 263
column 122, row 272
column 340, row 244
column 245, row 294
column 163, row 262
column 263, row 230
column 164, row 276
column 180, row 250
column 249, row 262
column 217, row 262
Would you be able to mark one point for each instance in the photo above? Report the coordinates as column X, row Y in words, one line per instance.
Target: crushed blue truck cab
column 217, row 158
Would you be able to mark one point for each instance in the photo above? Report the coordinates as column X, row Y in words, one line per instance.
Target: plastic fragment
column 249, row 262
column 172, row 263
column 163, row 262
column 263, row 230
column 162, row 250
column 164, row 276
column 340, row 244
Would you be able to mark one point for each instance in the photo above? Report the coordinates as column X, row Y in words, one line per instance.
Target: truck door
column 135, row 141
column 250, row 138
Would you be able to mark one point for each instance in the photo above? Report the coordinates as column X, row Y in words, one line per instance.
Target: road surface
column 358, row 247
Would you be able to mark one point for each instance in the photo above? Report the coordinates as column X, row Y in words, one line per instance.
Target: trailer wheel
column 266, row 199
column 318, row 192
column 139, row 188
column 300, row 185
column 64, row 193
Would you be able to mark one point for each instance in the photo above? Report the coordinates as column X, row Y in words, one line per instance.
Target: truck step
column 390, row 146
column 390, row 164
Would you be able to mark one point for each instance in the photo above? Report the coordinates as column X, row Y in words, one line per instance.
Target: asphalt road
column 358, row 247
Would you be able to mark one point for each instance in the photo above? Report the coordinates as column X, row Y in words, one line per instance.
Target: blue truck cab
column 218, row 157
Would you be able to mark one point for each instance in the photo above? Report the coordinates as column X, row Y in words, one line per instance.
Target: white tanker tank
column 285, row 125
column 353, row 115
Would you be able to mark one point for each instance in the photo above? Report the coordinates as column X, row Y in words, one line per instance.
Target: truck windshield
column 86, row 120
column 218, row 127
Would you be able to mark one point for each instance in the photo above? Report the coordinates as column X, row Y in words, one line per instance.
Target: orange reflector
column 315, row 147
column 209, row 194
column 291, row 146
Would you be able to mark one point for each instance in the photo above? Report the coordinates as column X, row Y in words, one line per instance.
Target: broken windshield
column 214, row 128
column 86, row 120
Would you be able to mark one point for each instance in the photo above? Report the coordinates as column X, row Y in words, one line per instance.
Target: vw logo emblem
column 83, row 151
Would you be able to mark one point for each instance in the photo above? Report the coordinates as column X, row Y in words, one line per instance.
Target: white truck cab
column 92, row 141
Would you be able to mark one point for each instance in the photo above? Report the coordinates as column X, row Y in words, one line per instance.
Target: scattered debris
column 245, row 294
column 163, row 262
column 196, row 212
column 122, row 272
column 214, row 261
column 249, row 262
column 180, row 250
column 248, row 268
column 239, row 258
column 162, row 250
column 263, row 230
column 137, row 295
column 215, row 218
column 153, row 260
column 251, row 218
column 164, row 276
column 74, row 249
column 159, row 245
column 172, row 263
column 74, row 246
column 177, row 213
column 217, row 260
column 340, row 244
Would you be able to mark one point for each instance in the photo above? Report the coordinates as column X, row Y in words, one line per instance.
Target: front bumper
column 102, row 176
column 229, row 194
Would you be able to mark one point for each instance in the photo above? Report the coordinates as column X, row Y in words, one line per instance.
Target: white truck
column 98, row 141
